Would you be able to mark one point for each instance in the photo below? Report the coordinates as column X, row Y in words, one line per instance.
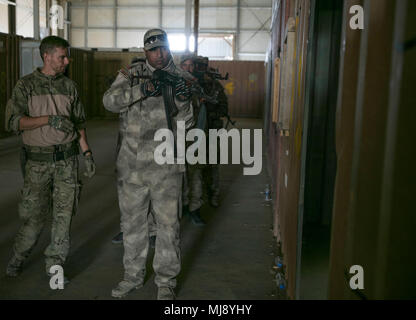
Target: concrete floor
column 230, row 258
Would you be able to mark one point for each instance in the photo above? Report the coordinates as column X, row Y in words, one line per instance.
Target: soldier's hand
column 89, row 166
column 151, row 88
column 183, row 90
column 61, row 123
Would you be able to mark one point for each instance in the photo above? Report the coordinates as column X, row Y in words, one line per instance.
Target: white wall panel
column 100, row 38
column 129, row 39
column 258, row 44
column 254, row 18
column 98, row 2
column 77, row 17
column 218, row 3
column 174, row 2
column 139, row 18
column 138, row 2
column 4, row 18
column 100, row 17
column 173, row 18
column 77, row 38
column 260, row 3
column 217, row 18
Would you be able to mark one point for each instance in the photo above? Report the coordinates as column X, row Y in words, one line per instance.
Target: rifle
column 183, row 87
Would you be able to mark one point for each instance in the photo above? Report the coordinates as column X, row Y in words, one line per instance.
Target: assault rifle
column 183, row 87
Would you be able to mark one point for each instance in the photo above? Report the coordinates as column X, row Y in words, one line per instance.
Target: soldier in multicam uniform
column 214, row 121
column 46, row 111
column 146, row 183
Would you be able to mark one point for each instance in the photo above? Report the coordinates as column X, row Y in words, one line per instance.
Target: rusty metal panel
column 9, row 71
column 245, row 87
column 285, row 145
column 106, row 65
column 80, row 70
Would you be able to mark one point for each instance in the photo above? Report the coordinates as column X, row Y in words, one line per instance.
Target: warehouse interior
column 334, row 102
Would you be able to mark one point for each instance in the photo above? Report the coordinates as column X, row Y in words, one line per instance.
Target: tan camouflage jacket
column 141, row 120
column 40, row 95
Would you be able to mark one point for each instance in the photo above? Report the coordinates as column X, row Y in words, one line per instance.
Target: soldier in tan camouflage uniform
column 148, row 184
column 194, row 188
column 46, row 111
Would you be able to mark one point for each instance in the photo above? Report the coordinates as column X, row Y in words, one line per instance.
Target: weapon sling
column 170, row 109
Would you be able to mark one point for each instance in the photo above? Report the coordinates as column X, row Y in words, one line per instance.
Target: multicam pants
column 48, row 187
column 137, row 202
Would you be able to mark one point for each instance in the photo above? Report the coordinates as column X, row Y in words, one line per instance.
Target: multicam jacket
column 142, row 117
column 38, row 95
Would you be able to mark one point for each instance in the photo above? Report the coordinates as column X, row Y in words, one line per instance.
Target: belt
column 53, row 156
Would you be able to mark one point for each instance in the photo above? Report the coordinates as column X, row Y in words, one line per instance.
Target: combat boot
column 165, row 293
column 124, row 288
column 196, row 218
column 118, row 239
column 215, row 202
column 14, row 267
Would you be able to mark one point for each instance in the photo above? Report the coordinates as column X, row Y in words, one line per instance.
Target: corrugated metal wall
column 245, row 87
column 94, row 71
column 374, row 222
column 284, row 146
column 9, row 71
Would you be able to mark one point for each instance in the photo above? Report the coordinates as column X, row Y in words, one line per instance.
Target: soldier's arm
column 83, row 142
column 17, row 115
column 121, row 94
column 79, row 120
column 29, row 123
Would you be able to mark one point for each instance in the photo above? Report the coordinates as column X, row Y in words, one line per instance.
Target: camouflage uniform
column 194, row 172
column 146, row 184
column 214, row 114
column 47, row 183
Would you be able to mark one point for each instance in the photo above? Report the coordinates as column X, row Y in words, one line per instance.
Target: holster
column 23, row 161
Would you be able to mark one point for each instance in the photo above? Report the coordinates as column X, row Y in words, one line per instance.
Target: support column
column 12, row 18
column 36, row 27
column 236, row 47
column 86, row 25
column 188, row 19
column 160, row 13
column 115, row 23
column 196, row 26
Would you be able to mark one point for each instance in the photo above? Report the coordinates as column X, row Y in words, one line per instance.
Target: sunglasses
column 153, row 39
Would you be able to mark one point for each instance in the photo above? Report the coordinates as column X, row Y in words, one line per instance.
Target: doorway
column 319, row 162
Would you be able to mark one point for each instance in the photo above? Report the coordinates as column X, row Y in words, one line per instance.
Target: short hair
column 49, row 44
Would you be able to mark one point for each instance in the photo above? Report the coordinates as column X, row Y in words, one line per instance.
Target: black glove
column 151, row 88
column 183, row 90
column 61, row 123
column 89, row 166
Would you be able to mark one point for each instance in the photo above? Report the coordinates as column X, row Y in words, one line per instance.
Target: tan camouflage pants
column 196, row 187
column 48, row 185
column 213, row 179
column 162, row 196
